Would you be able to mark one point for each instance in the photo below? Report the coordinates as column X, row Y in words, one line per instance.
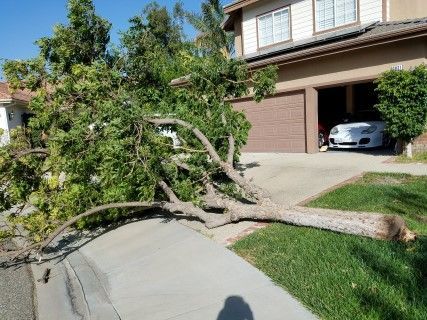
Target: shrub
column 403, row 102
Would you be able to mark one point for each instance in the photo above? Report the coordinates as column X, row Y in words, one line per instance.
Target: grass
column 390, row 193
column 418, row 157
column 347, row 277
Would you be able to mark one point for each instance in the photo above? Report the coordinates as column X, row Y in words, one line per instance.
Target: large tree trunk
column 378, row 226
column 374, row 225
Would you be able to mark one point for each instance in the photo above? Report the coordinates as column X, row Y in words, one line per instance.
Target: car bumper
column 357, row 143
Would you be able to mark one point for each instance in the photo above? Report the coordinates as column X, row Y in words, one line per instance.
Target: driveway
column 292, row 178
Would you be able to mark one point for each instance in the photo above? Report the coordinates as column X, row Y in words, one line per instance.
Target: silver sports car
column 368, row 134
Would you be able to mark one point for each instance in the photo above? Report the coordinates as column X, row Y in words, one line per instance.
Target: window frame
column 341, row 26
column 272, row 12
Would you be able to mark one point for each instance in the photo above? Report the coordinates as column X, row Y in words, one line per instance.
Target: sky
column 22, row 22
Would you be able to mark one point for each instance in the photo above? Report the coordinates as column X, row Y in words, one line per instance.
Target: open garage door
column 349, row 109
column 278, row 123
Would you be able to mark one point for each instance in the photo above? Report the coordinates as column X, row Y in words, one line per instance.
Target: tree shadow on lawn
column 401, row 279
column 407, row 199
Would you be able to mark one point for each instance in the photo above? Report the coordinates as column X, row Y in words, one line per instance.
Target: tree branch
column 42, row 245
column 39, row 151
column 169, row 192
column 231, row 149
column 251, row 189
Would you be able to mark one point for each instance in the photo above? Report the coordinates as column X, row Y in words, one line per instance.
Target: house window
column 335, row 13
column 274, row 27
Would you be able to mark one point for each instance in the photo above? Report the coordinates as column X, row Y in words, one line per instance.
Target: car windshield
column 368, row 115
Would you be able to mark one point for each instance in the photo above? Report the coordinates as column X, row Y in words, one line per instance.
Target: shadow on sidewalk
column 235, row 308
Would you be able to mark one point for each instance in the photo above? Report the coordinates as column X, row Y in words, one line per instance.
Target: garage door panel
column 278, row 123
column 297, row 114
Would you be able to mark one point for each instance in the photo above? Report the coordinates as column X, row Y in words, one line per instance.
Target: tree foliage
column 90, row 118
column 403, row 102
column 212, row 38
column 97, row 141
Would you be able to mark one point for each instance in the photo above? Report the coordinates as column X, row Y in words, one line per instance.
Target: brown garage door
column 278, row 123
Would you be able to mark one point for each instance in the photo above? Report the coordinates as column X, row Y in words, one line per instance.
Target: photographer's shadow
column 235, row 308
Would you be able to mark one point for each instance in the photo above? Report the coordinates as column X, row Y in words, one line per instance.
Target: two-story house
column 328, row 54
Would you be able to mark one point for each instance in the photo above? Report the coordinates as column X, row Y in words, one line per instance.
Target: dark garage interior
column 346, row 103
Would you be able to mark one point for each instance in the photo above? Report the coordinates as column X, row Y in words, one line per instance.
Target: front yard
column 346, row 277
column 418, row 157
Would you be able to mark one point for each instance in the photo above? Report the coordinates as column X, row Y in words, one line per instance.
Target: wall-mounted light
column 11, row 115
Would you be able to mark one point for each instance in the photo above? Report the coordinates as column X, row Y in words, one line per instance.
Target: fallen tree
column 97, row 148
column 378, row 226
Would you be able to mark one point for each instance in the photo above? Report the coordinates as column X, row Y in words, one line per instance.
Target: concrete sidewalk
column 157, row 270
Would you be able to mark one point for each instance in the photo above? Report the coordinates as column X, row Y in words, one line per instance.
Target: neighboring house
column 13, row 110
column 328, row 53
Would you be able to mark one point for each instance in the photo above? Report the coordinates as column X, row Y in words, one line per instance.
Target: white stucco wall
column 8, row 124
column 301, row 18
column 4, row 138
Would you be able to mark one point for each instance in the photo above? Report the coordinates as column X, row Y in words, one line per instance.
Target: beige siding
column 371, row 11
column 406, row 9
column 361, row 63
column 301, row 18
column 250, row 41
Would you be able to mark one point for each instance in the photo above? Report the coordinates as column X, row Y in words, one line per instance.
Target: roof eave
column 237, row 5
column 273, row 58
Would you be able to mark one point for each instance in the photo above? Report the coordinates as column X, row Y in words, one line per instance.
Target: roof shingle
column 20, row 95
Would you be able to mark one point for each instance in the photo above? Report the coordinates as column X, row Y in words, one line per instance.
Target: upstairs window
column 334, row 13
column 274, row 27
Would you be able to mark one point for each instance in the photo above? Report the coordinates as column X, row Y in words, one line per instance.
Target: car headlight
column 334, row 130
column 371, row 129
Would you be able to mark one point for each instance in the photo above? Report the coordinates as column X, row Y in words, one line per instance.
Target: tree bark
column 251, row 189
column 373, row 225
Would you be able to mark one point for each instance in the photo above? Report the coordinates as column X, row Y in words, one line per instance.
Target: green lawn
column 346, row 277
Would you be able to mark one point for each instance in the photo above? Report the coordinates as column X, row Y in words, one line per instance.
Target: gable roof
column 18, row 95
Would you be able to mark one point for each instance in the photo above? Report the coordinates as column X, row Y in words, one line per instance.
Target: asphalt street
column 16, row 292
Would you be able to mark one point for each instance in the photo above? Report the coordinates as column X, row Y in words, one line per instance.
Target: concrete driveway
column 292, row 178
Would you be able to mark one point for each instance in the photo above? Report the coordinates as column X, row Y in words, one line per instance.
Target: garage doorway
column 332, row 106
column 345, row 103
column 364, row 100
